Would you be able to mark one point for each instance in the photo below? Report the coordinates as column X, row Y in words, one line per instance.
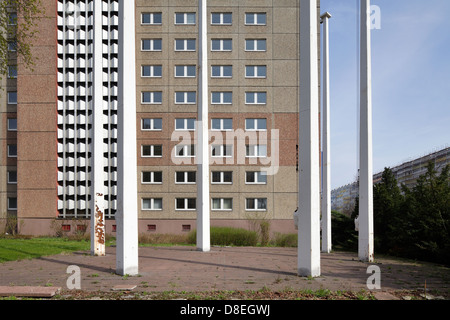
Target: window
column 12, row 97
column 12, row 124
column 185, row 150
column 12, row 46
column 255, row 45
column 12, row 72
column 222, row 177
column 12, row 177
column 222, row 71
column 222, row 204
column 185, row 227
column 150, row 97
column 12, row 21
column 185, row 124
column 151, row 177
column 255, row 98
column 185, row 177
column 151, row 71
column 185, row 71
column 151, row 124
column 221, row 124
column 185, row 18
column 256, row 177
column 185, row 44
column 221, row 150
column 152, row 204
column 12, row 151
column 221, row 18
column 185, row 204
column 256, row 124
column 256, row 151
column 151, row 151
column 256, row 204
column 221, row 44
column 151, row 18
column 12, row 204
column 184, row 97
column 221, row 97
column 255, row 71
column 151, row 45
column 256, row 19
column 151, row 227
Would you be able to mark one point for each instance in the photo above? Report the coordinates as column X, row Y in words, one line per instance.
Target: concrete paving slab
column 28, row 291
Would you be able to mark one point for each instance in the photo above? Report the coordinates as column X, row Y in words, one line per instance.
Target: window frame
column 152, row 204
column 189, row 150
column 222, row 178
column 256, row 150
column 186, row 204
column 10, row 208
column 186, row 177
column 255, row 71
column 185, row 124
column 185, row 71
column 152, row 71
column 152, row 45
column 11, row 94
column 221, row 49
column 152, row 19
column 152, row 124
column 152, row 151
column 221, row 124
column 9, row 181
column 221, row 18
column 222, row 201
column 186, row 96
column 8, row 124
column 152, row 177
column 8, row 152
column 255, row 45
column 152, row 97
column 255, row 124
column 255, row 177
column 255, row 202
column 222, row 96
column 185, row 19
column 185, row 45
column 221, row 71
column 222, row 148
column 255, row 15
column 256, row 97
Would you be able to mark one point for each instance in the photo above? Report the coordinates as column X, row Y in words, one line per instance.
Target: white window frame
column 255, row 72
column 256, row 97
column 186, row 204
column 152, row 97
column 152, row 71
column 222, row 124
column 9, row 181
column 255, row 18
column 221, row 71
column 255, row 202
column 10, row 95
column 152, row 177
column 152, row 204
column 152, row 45
column 12, row 46
column 186, row 177
column 221, row 15
column 152, row 124
column 12, row 70
column 256, row 151
column 256, row 177
column 222, row 95
column 152, row 151
column 9, row 124
column 10, row 208
column 222, row 177
column 185, row 45
column 185, row 18
column 186, row 95
column 189, row 150
column 255, row 124
column 152, row 19
column 185, row 71
column 222, row 148
column 221, row 208
column 9, row 151
column 255, row 45
column 221, row 49
column 185, row 124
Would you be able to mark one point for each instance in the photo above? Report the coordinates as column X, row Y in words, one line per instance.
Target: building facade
column 253, row 104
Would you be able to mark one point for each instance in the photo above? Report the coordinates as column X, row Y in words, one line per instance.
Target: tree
column 15, row 38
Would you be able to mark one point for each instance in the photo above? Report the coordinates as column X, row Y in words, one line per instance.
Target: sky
column 410, row 83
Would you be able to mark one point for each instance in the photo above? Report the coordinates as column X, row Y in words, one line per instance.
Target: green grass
column 18, row 249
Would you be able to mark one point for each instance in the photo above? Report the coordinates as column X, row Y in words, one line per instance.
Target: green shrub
column 227, row 236
column 285, row 240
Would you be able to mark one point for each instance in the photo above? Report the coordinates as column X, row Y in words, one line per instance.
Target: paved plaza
column 223, row 268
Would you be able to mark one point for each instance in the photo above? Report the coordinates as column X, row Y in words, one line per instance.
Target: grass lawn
column 17, row 249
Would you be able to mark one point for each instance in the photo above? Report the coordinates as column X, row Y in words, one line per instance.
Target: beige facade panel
column 37, row 203
column 34, row 175
column 36, row 146
column 36, row 89
column 37, row 118
column 286, row 18
column 284, row 205
column 286, row 180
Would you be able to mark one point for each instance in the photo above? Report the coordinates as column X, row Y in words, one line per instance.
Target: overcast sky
column 411, row 83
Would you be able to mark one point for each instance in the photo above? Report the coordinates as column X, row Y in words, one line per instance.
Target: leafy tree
column 18, row 20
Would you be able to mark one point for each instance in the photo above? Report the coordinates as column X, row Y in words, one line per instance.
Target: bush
column 226, row 236
column 285, row 240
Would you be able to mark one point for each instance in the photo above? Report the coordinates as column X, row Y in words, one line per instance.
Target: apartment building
column 253, row 104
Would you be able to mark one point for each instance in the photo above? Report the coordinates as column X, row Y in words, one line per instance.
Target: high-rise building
column 46, row 115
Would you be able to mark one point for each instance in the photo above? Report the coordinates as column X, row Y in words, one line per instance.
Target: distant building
column 343, row 198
